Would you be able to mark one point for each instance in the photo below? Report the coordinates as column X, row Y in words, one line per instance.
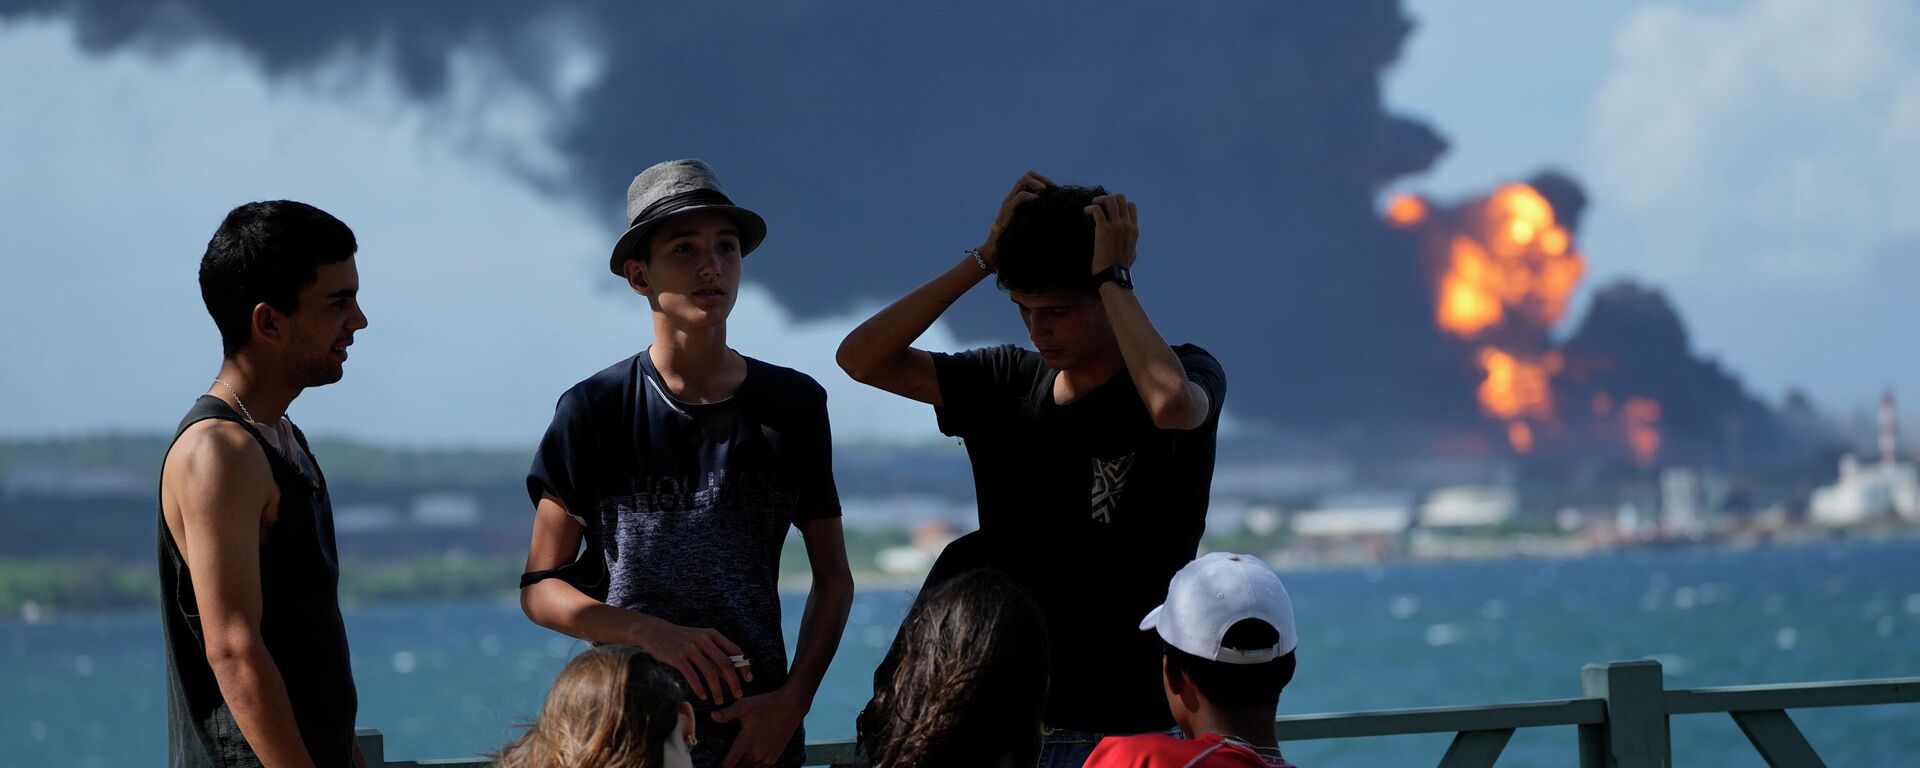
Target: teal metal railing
column 1622, row 717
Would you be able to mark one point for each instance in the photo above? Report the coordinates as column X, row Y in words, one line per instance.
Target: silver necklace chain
column 284, row 452
column 236, row 398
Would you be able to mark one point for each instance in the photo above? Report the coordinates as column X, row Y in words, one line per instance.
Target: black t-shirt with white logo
column 1090, row 506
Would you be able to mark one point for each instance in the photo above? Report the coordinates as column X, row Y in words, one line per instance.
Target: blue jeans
column 1060, row 748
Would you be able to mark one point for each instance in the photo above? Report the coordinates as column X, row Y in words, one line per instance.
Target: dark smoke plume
column 876, row 138
column 1631, row 343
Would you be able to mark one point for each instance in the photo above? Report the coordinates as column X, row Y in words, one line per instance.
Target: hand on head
column 1116, row 231
column 1027, row 187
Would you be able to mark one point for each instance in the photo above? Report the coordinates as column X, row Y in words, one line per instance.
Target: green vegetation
column 1239, row 540
column 346, row 462
column 863, row 468
column 431, row 576
column 863, row 550
column 98, row 584
column 91, row 583
column 92, row 452
column 352, row 463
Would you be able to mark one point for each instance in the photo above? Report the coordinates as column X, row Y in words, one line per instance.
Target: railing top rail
column 1529, row 714
column 1493, row 717
column 1747, row 698
column 829, row 753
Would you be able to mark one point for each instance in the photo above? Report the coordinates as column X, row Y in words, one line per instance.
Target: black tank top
column 300, row 624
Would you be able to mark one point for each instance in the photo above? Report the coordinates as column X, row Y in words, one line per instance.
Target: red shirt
column 1155, row 750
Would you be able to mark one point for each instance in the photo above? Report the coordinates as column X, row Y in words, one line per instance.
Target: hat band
column 1239, row 656
column 662, row 206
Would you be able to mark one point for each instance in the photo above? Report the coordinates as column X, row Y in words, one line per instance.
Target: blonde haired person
column 613, row 706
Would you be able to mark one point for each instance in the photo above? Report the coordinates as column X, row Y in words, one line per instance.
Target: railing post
column 1593, row 746
column 1476, row 749
column 373, row 745
column 1776, row 737
column 1635, row 734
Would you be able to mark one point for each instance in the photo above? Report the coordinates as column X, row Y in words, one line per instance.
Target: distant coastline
column 36, row 590
column 445, row 523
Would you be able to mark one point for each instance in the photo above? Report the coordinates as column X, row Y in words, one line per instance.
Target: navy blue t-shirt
column 688, row 504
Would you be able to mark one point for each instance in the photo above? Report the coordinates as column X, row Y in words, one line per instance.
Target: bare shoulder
column 216, row 463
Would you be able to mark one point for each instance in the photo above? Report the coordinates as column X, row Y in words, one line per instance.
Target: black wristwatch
column 1116, row 274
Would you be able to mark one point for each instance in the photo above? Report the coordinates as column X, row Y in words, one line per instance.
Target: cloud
column 487, row 296
column 1779, row 139
column 1762, row 161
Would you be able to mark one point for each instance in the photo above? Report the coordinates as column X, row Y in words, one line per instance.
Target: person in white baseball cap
column 1227, row 625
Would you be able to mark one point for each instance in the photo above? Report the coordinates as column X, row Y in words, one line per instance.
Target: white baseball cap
column 1213, row 593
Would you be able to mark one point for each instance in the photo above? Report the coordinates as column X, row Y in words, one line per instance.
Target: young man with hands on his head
column 1092, row 453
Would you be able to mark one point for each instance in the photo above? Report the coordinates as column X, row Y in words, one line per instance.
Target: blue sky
column 1760, row 161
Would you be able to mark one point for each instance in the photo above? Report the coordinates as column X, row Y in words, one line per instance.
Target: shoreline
column 378, row 585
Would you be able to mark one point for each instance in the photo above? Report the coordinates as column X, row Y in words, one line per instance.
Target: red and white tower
column 1889, row 431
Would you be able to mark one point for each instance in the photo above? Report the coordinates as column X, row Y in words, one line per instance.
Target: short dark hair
column 266, row 252
column 1252, row 687
column 1048, row 243
column 965, row 683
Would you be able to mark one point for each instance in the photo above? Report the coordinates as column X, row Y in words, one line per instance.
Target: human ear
column 264, row 321
column 637, row 277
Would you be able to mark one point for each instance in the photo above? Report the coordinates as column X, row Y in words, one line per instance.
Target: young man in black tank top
column 257, row 663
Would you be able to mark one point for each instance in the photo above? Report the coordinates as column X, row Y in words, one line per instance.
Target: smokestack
column 1889, row 431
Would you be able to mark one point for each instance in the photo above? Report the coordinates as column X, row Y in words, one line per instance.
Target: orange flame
column 1467, row 307
column 1405, row 211
column 1642, row 415
column 1516, row 389
column 1508, row 264
column 1520, row 436
column 1514, row 259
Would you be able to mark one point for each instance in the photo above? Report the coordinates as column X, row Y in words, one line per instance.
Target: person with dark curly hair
column 963, row 684
column 1092, row 452
column 613, row 706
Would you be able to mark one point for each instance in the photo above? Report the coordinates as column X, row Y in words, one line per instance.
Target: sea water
column 452, row 679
